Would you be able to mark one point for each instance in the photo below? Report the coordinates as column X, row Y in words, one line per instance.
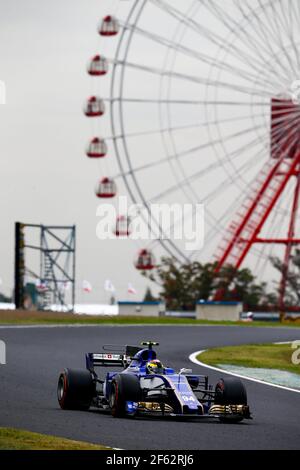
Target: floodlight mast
column 57, row 248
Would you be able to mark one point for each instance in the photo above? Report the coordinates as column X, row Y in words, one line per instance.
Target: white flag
column 65, row 286
column 131, row 289
column 108, row 286
column 86, row 286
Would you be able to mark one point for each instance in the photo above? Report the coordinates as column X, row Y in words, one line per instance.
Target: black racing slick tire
column 230, row 391
column 75, row 389
column 124, row 387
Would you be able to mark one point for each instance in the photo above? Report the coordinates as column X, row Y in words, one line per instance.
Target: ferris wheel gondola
column 94, row 107
column 106, row 189
column 109, row 26
column 145, row 260
column 97, row 66
column 97, row 148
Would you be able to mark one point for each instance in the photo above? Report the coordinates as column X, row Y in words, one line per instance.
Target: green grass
column 15, row 439
column 19, row 317
column 267, row 356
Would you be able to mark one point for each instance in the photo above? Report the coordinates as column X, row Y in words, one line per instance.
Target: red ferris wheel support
column 277, row 174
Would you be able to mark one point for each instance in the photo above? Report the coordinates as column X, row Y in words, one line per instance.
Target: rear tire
column 230, row 391
column 124, row 387
column 75, row 389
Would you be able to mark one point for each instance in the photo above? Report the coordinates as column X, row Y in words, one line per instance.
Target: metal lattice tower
column 57, row 249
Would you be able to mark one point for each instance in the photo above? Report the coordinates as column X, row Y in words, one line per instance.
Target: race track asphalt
column 35, row 357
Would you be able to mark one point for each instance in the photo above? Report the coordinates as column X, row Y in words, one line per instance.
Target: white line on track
column 193, row 358
column 282, row 343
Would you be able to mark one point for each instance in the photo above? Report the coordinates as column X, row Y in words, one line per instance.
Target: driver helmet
column 154, row 367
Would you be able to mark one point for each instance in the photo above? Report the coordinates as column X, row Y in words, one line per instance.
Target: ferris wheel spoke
column 264, row 32
column 243, row 169
column 194, row 79
column 227, row 182
column 251, row 184
column 282, row 131
column 293, row 15
column 278, row 21
column 275, row 133
column 297, row 8
column 247, row 74
column 156, row 101
column 267, row 26
column 130, row 135
column 183, row 102
column 234, row 70
column 213, row 195
column 277, row 31
column 168, row 130
column 215, row 221
column 281, row 19
column 268, row 30
column 249, row 41
column 176, row 47
column 290, row 30
column 286, row 15
column 228, row 138
column 250, row 61
column 205, row 171
column 297, row 12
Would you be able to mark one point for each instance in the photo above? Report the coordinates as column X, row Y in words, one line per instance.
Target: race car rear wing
column 129, row 351
column 104, row 360
column 115, row 356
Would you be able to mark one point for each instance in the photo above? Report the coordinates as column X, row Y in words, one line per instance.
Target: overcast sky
column 45, row 176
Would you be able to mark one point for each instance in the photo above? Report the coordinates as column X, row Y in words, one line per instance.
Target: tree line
column 182, row 285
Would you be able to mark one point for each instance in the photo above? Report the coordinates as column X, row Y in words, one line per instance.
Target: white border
column 193, row 358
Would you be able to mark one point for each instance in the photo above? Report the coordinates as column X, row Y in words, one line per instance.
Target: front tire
column 75, row 389
column 124, row 387
column 230, row 391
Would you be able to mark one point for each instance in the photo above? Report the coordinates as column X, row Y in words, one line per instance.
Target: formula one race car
column 145, row 387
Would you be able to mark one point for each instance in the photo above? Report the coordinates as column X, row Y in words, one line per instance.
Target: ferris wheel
column 198, row 100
